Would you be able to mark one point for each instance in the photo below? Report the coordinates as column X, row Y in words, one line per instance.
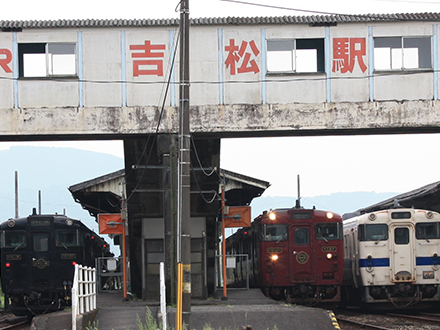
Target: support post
column 225, row 295
column 184, row 165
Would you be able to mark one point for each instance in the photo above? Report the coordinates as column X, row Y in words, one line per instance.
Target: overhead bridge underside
column 236, row 120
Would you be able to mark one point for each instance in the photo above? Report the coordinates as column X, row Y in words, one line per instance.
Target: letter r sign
column 5, row 59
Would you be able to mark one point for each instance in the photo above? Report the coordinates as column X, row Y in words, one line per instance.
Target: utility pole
column 184, row 255
column 16, row 194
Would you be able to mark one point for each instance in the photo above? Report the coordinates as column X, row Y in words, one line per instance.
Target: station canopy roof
column 104, row 194
column 426, row 197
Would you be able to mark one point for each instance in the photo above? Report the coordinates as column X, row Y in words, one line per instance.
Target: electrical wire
column 323, row 12
column 215, row 194
column 198, row 159
column 157, row 126
column 282, row 8
column 293, row 77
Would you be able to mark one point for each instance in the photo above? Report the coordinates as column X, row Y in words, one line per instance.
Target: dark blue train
column 38, row 257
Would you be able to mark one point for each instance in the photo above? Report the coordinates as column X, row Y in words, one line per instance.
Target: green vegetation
column 151, row 324
column 2, row 299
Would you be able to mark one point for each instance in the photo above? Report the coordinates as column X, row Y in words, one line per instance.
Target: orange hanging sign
column 110, row 223
column 237, row 216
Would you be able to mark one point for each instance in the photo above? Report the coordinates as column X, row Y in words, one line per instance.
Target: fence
column 83, row 292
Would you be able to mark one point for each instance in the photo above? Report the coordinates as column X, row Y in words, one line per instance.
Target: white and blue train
column 391, row 258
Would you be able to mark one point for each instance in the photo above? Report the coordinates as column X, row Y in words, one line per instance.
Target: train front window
column 66, row 238
column 427, row 230
column 328, row 231
column 301, row 236
column 401, row 235
column 14, row 239
column 376, row 232
column 41, row 242
column 273, row 232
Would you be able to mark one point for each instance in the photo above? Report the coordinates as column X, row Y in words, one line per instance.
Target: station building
column 105, row 194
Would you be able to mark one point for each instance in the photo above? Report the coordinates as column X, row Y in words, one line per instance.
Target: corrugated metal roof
column 426, row 197
column 313, row 20
column 99, row 180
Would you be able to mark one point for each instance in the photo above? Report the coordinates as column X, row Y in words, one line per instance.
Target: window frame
column 301, row 240
column 402, row 239
column 266, row 237
column 397, row 54
column 332, row 225
column 61, row 238
column 421, row 230
column 22, row 243
column 297, row 46
column 40, row 242
column 363, row 230
column 53, row 60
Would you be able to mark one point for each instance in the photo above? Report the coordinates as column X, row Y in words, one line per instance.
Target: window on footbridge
column 295, row 55
column 402, row 53
column 47, row 59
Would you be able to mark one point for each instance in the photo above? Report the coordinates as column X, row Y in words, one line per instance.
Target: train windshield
column 66, row 238
column 273, row 232
column 328, row 231
column 376, row 232
column 14, row 239
column 428, row 230
column 41, row 242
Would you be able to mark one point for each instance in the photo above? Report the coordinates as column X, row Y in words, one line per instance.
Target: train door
column 301, row 253
column 402, row 261
column 41, row 260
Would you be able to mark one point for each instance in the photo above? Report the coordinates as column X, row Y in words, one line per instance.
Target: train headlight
column 272, row 216
column 429, row 215
column 274, row 257
column 329, row 256
column 11, row 223
column 69, row 222
column 428, row 275
column 329, row 215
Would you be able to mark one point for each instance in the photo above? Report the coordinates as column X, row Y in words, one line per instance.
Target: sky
column 395, row 163
column 100, row 9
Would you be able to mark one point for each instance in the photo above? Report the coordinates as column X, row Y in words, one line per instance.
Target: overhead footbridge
column 261, row 76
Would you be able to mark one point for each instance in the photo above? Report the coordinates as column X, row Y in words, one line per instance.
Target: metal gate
column 109, row 274
column 237, row 271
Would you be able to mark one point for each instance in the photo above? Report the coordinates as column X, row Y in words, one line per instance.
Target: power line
column 168, row 83
column 323, row 12
column 282, row 8
column 294, row 77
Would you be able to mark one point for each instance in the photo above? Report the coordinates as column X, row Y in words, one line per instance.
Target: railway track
column 388, row 321
column 354, row 324
column 425, row 318
column 9, row 322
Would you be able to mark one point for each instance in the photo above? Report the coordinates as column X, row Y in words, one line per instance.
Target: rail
column 83, row 292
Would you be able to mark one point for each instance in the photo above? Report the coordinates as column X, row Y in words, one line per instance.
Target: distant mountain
column 53, row 170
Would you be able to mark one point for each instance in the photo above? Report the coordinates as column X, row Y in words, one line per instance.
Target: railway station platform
column 244, row 309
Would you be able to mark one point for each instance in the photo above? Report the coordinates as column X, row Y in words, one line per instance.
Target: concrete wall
column 121, row 75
